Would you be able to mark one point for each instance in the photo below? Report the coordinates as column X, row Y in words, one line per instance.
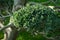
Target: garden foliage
column 34, row 18
column 37, row 18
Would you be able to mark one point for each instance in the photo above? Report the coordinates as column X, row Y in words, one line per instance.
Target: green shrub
column 34, row 16
column 37, row 17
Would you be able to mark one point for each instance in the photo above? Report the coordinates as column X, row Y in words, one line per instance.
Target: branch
column 57, row 7
column 8, row 14
column 4, row 27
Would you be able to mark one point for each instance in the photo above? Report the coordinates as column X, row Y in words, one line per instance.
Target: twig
column 5, row 16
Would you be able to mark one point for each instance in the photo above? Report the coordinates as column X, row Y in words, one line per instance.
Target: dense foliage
column 37, row 18
column 48, row 2
column 34, row 18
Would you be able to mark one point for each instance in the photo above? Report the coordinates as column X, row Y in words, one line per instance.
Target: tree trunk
column 11, row 34
column 18, row 4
